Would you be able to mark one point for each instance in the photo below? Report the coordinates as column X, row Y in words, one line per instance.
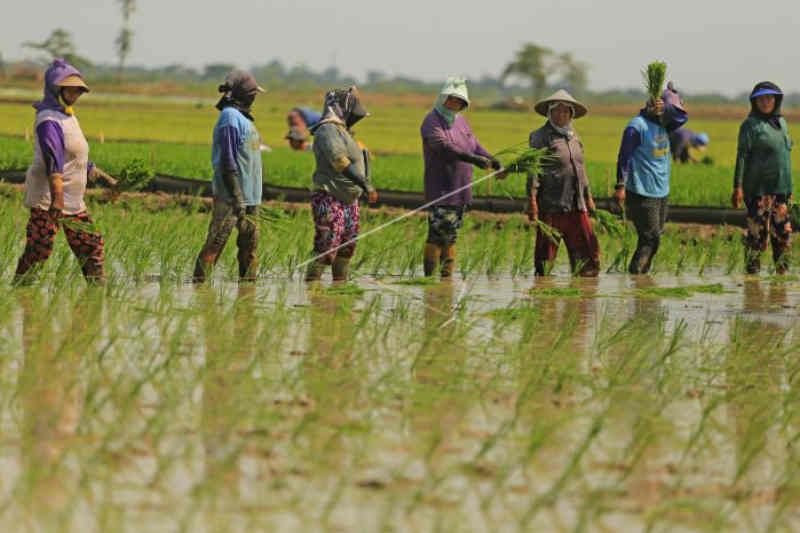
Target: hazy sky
column 717, row 45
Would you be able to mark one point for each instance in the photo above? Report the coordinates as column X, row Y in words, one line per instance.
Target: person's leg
column 755, row 239
column 546, row 248
column 328, row 216
column 581, row 243
column 87, row 244
column 219, row 230
column 780, row 235
column 40, row 237
column 247, row 243
column 646, row 215
column 452, row 221
column 341, row 264
column 434, row 243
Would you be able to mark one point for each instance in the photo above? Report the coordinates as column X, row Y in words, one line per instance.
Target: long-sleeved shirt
column 237, row 149
column 644, row 162
column 444, row 171
column 335, row 149
column 763, row 158
column 680, row 140
column 563, row 185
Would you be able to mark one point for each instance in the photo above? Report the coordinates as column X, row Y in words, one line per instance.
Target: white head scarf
column 567, row 130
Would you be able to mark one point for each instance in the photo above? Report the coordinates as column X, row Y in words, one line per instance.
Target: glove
column 496, row 165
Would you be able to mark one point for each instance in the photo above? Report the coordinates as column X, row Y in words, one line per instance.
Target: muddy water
column 405, row 408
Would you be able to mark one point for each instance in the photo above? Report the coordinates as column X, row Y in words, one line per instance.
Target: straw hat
column 561, row 96
column 73, row 81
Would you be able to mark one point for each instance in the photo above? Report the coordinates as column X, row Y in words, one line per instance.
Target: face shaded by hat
column 58, row 75
column 561, row 97
column 239, row 90
column 343, row 105
column 767, row 88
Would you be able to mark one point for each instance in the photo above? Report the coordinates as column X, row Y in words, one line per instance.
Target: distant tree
column 534, row 63
column 541, row 66
column 124, row 41
column 2, row 66
column 217, row 71
column 574, row 74
column 59, row 44
column 375, row 77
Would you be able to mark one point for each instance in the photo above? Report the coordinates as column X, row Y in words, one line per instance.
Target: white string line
column 398, row 219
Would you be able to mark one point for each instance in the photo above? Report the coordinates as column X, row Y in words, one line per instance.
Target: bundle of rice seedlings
column 522, row 159
column 134, row 176
column 655, row 76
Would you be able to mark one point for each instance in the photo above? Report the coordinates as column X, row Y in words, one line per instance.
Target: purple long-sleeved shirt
column 229, row 141
column 50, row 137
column 444, row 172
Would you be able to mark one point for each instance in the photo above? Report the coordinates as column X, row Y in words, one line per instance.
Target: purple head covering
column 58, row 70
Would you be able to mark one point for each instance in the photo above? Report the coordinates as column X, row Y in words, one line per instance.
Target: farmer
column 450, row 150
column 300, row 120
column 56, row 180
column 299, row 139
column 340, row 178
column 682, row 139
column 763, row 178
column 560, row 196
column 643, row 172
column 236, row 159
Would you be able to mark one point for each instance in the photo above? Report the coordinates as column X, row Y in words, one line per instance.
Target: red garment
column 577, row 233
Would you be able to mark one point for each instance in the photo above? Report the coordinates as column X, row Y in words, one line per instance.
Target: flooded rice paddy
column 495, row 402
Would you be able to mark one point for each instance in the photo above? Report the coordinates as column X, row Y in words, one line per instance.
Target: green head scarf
column 454, row 86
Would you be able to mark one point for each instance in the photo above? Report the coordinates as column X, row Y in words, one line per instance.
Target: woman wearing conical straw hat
column 560, row 196
column 55, row 183
column 450, row 150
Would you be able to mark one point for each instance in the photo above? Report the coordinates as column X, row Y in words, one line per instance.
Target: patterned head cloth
column 345, row 105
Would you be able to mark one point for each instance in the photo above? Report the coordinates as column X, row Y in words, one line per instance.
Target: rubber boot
column 448, row 260
column 315, row 269
column 341, row 268
column 431, row 258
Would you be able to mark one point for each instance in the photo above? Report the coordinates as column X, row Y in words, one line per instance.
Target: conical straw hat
column 561, row 96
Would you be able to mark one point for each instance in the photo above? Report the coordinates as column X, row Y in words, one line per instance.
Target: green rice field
column 494, row 402
column 173, row 137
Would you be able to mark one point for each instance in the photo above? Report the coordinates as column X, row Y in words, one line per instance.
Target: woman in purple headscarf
column 56, row 180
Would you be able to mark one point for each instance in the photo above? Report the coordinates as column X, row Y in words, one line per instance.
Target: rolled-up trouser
column 86, row 243
column 335, row 224
column 223, row 220
column 576, row 231
column 444, row 221
column 648, row 216
column 767, row 215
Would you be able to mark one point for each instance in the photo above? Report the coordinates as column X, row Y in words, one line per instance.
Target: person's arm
column 483, row 152
column 229, row 143
column 50, row 137
column 435, row 137
column 743, row 149
column 631, row 140
column 330, row 145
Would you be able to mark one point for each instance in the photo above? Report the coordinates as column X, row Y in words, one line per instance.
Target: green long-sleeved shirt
column 763, row 161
